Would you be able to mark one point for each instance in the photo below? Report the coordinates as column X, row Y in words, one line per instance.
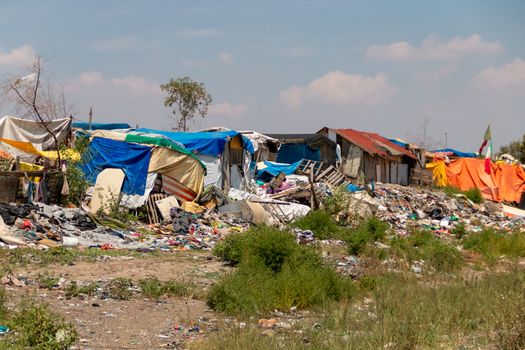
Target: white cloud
column 225, row 57
column 115, row 44
column 227, row 109
column 198, row 33
column 433, row 49
column 339, row 88
column 20, row 56
column 430, row 77
column 510, row 75
column 131, row 83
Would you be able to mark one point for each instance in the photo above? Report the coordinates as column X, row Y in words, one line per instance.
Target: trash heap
column 41, row 225
column 431, row 209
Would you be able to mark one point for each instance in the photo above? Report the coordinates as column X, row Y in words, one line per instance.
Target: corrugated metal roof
column 373, row 143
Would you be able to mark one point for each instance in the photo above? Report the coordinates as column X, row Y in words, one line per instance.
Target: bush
column 153, row 288
column 424, row 245
column 321, row 223
column 119, row 289
column 74, row 290
column 492, row 243
column 474, row 194
column 38, row 328
column 274, row 272
column 263, row 243
column 371, row 230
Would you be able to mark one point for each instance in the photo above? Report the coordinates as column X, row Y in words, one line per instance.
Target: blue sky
column 286, row 66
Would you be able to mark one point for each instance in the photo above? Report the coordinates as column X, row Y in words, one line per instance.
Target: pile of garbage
column 41, row 225
column 424, row 208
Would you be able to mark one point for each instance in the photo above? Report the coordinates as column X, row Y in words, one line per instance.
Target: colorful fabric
column 503, row 182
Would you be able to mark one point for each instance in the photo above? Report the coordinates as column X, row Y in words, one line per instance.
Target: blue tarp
column 273, row 169
column 207, row 143
column 132, row 158
column 101, row 126
column 456, row 153
column 293, row 152
column 399, row 143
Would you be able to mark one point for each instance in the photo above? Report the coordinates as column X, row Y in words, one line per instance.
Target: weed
column 119, row 289
column 492, row 244
column 47, row 281
column 274, row 273
column 474, row 194
column 38, row 328
column 3, row 298
column 153, row 288
column 370, row 230
column 74, row 290
column 321, row 223
column 424, row 245
column 459, row 230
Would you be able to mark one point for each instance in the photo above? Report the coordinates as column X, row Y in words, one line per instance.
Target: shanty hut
column 369, row 156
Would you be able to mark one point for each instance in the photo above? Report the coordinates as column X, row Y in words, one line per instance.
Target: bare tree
column 37, row 99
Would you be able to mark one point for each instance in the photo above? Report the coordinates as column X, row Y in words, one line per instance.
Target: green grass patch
column 404, row 313
column 74, row 290
column 152, row 287
column 370, row 230
column 33, row 325
column 474, row 194
column 424, row 245
column 47, row 281
column 321, row 223
column 119, row 288
column 493, row 244
column 273, row 273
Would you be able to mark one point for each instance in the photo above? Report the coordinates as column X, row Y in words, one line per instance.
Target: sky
column 423, row 71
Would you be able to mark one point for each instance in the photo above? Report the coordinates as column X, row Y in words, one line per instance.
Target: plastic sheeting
column 274, row 169
column 133, row 159
column 101, row 126
column 455, row 153
column 133, row 201
column 18, row 129
column 504, row 183
column 207, row 143
column 293, row 152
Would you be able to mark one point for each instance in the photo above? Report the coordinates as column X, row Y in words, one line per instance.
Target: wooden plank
column 324, row 173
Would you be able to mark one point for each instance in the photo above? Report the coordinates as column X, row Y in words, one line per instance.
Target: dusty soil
column 138, row 323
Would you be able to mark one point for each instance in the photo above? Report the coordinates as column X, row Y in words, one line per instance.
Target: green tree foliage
column 515, row 149
column 188, row 99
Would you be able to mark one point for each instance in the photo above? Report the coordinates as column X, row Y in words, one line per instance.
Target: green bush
column 321, row 223
column 274, row 272
column 152, row 287
column 263, row 243
column 74, row 290
column 474, row 194
column 424, row 245
column 119, row 289
column 459, row 230
column 369, row 231
column 38, row 328
column 492, row 243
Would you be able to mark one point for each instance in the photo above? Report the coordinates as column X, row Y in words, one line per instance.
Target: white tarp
column 213, row 170
column 18, row 129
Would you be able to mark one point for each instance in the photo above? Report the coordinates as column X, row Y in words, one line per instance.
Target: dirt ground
column 138, row 323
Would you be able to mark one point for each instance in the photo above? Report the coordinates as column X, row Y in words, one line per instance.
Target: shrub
column 47, row 281
column 119, row 289
column 459, row 230
column 39, row 328
column 274, row 272
column 153, row 288
column 492, row 243
column 371, row 230
column 474, row 194
column 74, row 290
column 424, row 245
column 321, row 223
column 263, row 243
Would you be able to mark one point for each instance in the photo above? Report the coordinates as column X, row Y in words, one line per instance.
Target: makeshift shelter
column 371, row 157
column 504, row 183
column 265, row 147
column 227, row 154
column 295, row 147
column 25, row 138
column 452, row 153
column 146, row 161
